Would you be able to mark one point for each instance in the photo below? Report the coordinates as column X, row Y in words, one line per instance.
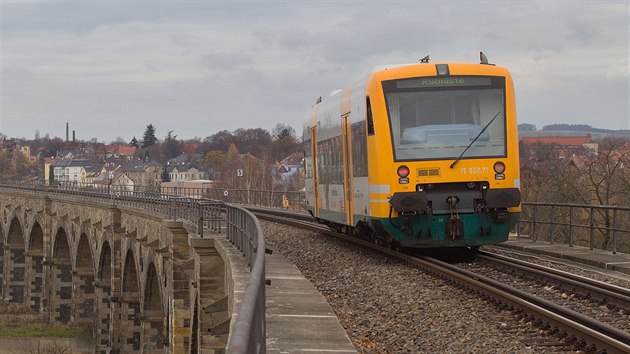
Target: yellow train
column 422, row 155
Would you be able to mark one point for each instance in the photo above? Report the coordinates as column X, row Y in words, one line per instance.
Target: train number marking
column 474, row 170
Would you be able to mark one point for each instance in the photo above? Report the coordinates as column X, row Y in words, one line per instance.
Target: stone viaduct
column 140, row 282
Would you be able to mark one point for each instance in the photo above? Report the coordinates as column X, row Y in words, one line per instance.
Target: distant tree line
column 568, row 127
column 259, row 142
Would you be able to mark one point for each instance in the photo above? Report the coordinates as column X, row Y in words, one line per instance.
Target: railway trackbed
column 592, row 315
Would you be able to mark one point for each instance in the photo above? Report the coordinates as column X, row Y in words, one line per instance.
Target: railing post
column 534, row 225
column 200, row 219
column 592, row 235
column 551, row 218
column 612, row 232
column 570, row 226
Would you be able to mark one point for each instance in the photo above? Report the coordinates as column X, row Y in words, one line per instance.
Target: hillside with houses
column 243, row 159
column 577, row 166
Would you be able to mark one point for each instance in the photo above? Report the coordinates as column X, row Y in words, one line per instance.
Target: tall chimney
column 74, row 140
column 67, row 132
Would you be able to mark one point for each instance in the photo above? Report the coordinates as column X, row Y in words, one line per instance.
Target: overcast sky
column 109, row 68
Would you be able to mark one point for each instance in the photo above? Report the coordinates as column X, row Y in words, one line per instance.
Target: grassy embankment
column 19, row 321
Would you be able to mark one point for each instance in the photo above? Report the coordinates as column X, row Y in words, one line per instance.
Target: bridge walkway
column 299, row 318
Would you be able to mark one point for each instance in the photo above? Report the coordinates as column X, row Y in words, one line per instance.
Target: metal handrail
column 244, row 231
column 602, row 227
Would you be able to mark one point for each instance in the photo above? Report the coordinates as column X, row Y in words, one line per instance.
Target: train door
column 346, row 137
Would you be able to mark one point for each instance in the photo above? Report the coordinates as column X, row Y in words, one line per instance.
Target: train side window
column 308, row 159
column 359, row 149
column 370, row 120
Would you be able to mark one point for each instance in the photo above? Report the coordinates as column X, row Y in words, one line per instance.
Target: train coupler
column 454, row 228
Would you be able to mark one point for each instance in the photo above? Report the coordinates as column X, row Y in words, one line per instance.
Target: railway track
column 601, row 292
column 584, row 331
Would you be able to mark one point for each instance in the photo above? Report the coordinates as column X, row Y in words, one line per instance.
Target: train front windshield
column 435, row 118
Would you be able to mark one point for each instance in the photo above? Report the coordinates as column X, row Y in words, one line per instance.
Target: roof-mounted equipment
column 483, row 59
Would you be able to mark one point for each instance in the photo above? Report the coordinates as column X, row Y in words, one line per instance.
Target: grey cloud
column 226, row 60
column 200, row 67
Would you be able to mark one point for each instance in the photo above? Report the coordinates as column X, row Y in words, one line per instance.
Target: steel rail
column 592, row 331
column 605, row 292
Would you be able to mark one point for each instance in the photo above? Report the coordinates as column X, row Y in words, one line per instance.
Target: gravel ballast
column 389, row 307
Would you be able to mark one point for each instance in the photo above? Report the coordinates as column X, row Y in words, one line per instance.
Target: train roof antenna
column 425, row 59
column 483, row 59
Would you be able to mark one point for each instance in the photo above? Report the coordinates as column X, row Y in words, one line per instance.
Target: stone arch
column 84, row 275
column 130, row 306
column 103, row 299
column 61, row 298
column 36, row 262
column 15, row 256
column 153, row 313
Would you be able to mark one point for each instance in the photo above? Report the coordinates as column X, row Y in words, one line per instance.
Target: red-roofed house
column 289, row 166
column 558, row 147
column 128, row 151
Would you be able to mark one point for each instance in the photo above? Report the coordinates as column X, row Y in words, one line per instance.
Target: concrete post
column 179, row 296
column 209, row 276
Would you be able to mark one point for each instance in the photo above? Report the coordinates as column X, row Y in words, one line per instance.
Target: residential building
column 114, row 181
column 14, row 147
column 71, row 170
column 289, row 167
column 92, row 173
column 186, row 172
column 557, row 147
column 49, row 173
column 144, row 174
column 123, row 152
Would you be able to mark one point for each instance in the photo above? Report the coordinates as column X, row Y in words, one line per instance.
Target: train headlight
column 403, row 171
column 499, row 167
column 471, row 185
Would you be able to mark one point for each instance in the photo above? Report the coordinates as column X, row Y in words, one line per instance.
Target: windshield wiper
column 475, row 139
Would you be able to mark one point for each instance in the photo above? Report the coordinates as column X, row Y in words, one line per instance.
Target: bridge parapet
column 144, row 273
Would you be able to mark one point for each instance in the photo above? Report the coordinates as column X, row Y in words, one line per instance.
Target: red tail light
column 403, row 171
column 499, row 167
